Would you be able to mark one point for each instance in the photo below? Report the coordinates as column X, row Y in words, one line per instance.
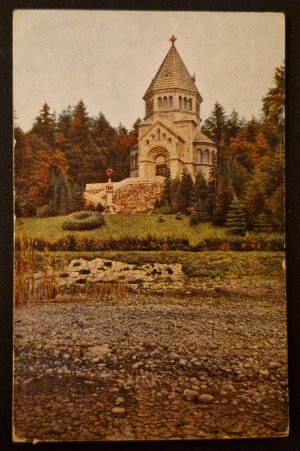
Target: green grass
column 118, row 226
column 205, row 264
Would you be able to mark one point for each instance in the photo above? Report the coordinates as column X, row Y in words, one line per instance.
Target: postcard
column 149, row 288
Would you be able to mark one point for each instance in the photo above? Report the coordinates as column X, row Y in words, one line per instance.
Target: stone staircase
column 132, row 194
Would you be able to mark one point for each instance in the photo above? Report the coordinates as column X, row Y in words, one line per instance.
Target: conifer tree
column 65, row 119
column 235, row 220
column 44, row 126
column 174, row 191
column 80, row 125
column 200, row 189
column 262, row 224
column 166, row 190
column 183, row 198
column 253, row 200
column 199, row 213
column 223, row 197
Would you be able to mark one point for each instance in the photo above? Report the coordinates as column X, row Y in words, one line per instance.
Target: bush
column 160, row 219
column 100, row 208
column 250, row 242
column 44, row 211
column 83, row 220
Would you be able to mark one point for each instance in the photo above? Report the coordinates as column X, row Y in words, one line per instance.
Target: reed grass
column 35, row 280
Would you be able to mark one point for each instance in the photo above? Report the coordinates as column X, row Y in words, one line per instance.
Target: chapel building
column 170, row 135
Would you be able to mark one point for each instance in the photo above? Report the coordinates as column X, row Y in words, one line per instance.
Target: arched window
column 152, row 137
column 206, row 156
column 170, row 102
column 190, row 105
column 199, row 156
column 163, row 136
column 158, row 133
column 180, row 102
column 197, row 107
column 165, row 103
column 136, row 161
column 160, row 165
column 184, row 103
column 213, row 156
column 159, row 103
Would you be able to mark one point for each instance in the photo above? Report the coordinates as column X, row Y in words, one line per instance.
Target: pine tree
column 199, row 213
column 166, row 190
column 102, row 131
column 232, row 127
column 175, row 183
column 44, row 126
column 80, row 126
column 200, row 189
column 235, row 220
column 65, row 119
column 253, row 200
column 183, row 198
column 262, row 224
column 223, row 198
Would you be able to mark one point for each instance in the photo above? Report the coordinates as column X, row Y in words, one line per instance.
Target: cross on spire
column 173, row 39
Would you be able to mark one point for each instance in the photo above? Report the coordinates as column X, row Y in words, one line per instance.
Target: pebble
column 154, row 358
column 206, row 398
column 118, row 410
column 190, row 395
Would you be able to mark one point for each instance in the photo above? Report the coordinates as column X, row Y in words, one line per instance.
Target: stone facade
column 137, row 198
column 170, row 135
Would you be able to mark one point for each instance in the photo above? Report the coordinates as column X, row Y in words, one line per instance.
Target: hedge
column 83, row 220
column 153, row 243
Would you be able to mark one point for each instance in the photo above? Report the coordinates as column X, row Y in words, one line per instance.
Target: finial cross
column 173, row 39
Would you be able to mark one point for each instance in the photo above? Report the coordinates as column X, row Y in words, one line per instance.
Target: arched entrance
column 158, row 160
column 160, row 164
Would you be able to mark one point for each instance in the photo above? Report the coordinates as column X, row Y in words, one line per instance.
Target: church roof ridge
column 172, row 73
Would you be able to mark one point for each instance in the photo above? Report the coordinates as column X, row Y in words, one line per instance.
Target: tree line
column 57, row 157
column 246, row 185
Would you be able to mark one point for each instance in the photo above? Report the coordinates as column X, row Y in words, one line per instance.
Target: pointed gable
column 172, row 74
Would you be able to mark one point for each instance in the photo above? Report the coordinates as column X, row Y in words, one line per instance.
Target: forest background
column 57, row 157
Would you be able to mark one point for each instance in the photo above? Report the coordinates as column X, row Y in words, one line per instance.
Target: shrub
column 100, row 208
column 160, row 219
column 83, row 220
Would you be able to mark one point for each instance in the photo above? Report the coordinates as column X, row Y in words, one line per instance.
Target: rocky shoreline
column 174, row 366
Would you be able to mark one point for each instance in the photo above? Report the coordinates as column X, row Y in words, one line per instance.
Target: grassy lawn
column 118, row 226
column 195, row 264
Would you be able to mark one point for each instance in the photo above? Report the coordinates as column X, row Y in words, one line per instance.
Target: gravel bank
column 167, row 367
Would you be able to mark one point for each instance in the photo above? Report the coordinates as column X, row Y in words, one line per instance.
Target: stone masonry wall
column 137, row 197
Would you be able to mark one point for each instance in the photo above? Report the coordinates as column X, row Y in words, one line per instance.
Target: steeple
column 173, row 74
